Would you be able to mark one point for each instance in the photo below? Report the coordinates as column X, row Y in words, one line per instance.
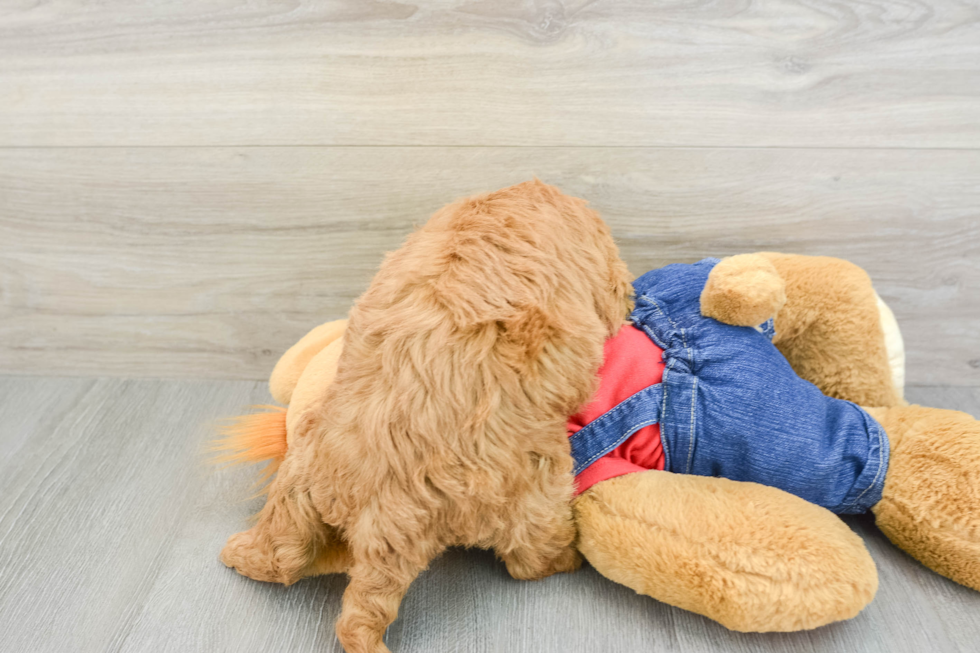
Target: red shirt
column 631, row 362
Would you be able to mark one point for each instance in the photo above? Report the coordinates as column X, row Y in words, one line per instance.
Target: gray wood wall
column 186, row 188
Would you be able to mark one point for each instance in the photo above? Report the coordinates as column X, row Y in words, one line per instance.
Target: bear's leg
column 751, row 557
column 292, row 364
column 930, row 506
column 830, row 329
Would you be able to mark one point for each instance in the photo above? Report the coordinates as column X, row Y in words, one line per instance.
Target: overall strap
column 602, row 435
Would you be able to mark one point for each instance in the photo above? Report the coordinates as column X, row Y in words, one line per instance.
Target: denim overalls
column 730, row 405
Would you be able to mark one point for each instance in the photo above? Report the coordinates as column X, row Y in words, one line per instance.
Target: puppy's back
column 471, row 347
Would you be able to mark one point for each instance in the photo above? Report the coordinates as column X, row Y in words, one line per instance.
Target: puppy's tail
column 250, row 439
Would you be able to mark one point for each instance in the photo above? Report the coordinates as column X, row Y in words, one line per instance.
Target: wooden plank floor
column 187, row 187
column 110, row 527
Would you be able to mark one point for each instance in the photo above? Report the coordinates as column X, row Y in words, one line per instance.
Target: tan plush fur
column 446, row 423
column 751, row 557
column 931, row 503
column 830, row 329
column 831, row 333
column 286, row 373
column 310, row 390
column 744, row 290
column 266, row 436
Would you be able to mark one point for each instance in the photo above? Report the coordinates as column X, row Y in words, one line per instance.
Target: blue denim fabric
column 730, row 405
column 612, row 428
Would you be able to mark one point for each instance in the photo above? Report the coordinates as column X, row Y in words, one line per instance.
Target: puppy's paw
column 568, row 561
column 253, row 556
column 359, row 638
column 521, row 568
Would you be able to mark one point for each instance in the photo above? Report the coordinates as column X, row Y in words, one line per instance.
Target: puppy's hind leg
column 385, row 561
column 540, row 540
column 545, row 551
column 284, row 544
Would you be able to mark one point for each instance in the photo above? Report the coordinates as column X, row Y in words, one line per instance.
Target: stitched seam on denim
column 668, row 369
column 653, row 336
column 629, row 432
column 601, row 453
column 663, row 413
column 618, row 408
column 683, row 334
column 690, row 442
column 881, row 460
column 694, row 403
column 648, row 330
column 606, row 417
column 664, row 313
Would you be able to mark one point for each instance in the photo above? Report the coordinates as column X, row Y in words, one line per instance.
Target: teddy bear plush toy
column 748, row 401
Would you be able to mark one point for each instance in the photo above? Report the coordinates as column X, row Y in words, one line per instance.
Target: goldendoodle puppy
column 446, row 424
